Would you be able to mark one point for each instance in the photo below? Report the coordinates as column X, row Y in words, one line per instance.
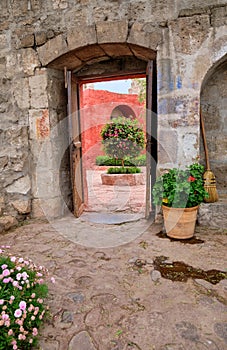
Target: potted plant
column 122, row 138
column 180, row 192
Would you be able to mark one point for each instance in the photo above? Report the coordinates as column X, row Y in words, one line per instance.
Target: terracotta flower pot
column 180, row 222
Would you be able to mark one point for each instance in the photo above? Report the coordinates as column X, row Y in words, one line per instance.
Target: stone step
column 214, row 214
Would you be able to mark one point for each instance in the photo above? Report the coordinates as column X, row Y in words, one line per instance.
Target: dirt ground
column 109, row 295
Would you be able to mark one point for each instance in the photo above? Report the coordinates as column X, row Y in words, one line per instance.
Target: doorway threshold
column 110, row 218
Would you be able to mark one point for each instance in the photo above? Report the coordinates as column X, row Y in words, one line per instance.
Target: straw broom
column 208, row 176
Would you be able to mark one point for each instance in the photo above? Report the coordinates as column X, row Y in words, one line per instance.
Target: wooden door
column 151, row 134
column 75, row 144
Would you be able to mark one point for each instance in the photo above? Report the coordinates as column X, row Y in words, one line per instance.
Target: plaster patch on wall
column 190, row 145
column 43, row 125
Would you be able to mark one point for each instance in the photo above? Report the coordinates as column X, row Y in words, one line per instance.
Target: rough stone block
column 4, row 8
column 4, row 45
column 19, row 8
column 40, row 38
column 213, row 214
column 68, row 60
column 80, row 38
column 90, row 53
column 116, row 31
column 22, row 206
column 116, row 50
column 146, row 35
column 22, row 186
column 52, row 49
column 21, row 93
column 57, row 93
column 37, row 5
column 2, row 204
column 188, row 33
column 37, row 211
column 50, row 34
column 2, row 66
column 4, row 24
column 60, row 4
column 7, row 222
column 28, row 61
column 219, row 16
column 143, row 53
column 38, row 89
column 3, row 162
column 27, row 40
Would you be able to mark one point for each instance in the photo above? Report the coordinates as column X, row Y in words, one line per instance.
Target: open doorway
column 102, row 103
column 87, row 117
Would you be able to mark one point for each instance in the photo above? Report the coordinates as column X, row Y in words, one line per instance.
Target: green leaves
column 122, row 138
column 180, row 188
column 123, row 170
column 129, row 161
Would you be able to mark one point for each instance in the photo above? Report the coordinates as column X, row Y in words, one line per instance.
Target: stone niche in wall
column 214, row 107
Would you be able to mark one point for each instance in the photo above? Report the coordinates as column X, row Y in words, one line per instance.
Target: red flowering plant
column 179, row 188
column 22, row 306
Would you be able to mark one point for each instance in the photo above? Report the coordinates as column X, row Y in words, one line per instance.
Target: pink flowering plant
column 22, row 307
column 122, row 138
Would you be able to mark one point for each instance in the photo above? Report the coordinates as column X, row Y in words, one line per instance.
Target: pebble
column 155, row 275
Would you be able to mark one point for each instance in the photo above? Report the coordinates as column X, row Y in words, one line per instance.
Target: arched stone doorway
column 131, row 60
column 213, row 107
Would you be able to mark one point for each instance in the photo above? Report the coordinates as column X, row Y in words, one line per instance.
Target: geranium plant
column 122, row 138
column 179, row 188
column 22, row 307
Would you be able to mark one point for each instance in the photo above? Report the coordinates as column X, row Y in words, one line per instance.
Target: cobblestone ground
column 128, row 199
column 113, row 299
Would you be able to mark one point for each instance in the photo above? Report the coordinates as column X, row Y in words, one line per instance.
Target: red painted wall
column 96, row 107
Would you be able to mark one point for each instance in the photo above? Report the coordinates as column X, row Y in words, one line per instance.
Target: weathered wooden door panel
column 75, row 145
column 151, row 134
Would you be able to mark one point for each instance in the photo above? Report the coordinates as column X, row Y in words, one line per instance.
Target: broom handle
column 204, row 141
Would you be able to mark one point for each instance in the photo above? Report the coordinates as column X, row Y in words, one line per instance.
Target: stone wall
column 39, row 37
column 214, row 108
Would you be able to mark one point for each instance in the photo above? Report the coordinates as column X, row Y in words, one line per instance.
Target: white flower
column 22, row 305
column 18, row 313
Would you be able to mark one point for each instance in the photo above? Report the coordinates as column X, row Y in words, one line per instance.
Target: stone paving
column 108, row 296
column 127, row 199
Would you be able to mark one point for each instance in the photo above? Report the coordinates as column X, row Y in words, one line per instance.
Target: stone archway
column 123, row 111
column 112, row 48
column 99, row 42
column 213, row 107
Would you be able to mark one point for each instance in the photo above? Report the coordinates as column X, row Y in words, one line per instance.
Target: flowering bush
column 122, row 138
column 22, row 308
column 180, row 188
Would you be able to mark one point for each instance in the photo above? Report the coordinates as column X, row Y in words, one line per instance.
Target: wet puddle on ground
column 179, row 271
column 192, row 240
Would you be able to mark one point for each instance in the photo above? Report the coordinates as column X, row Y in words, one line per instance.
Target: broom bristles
column 210, row 187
